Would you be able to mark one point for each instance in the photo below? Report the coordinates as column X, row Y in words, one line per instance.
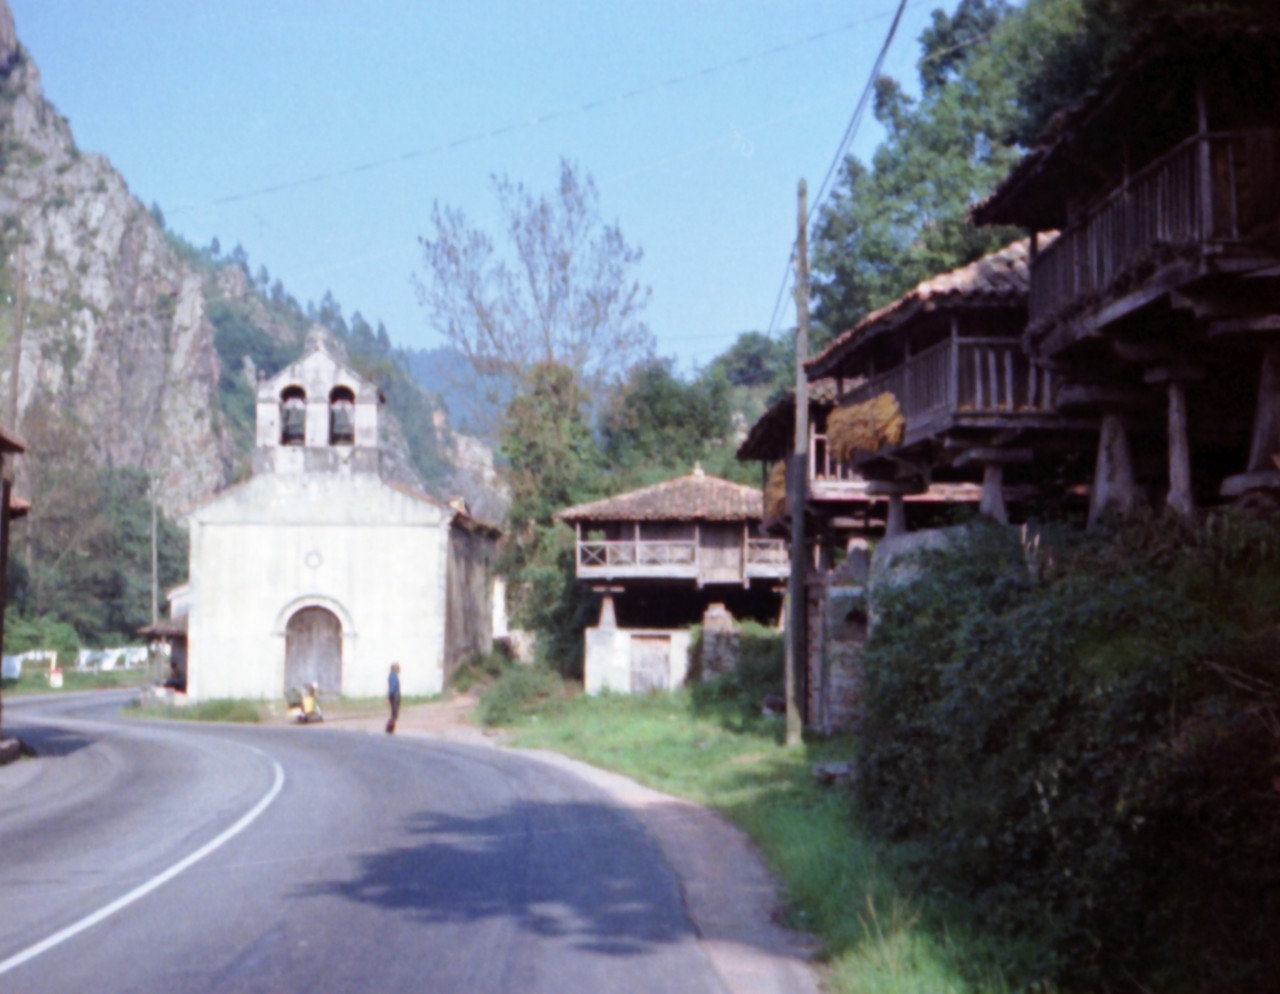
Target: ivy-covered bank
column 1079, row 737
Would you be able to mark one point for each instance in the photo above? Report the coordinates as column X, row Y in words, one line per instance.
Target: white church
column 316, row 569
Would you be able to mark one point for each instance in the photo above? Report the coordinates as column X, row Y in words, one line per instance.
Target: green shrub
column 759, row 670
column 23, row 633
column 479, row 669
column 1081, row 740
column 520, row 691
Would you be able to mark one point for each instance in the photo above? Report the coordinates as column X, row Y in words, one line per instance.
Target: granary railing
column 625, row 554
column 773, row 554
column 982, row 376
column 674, row 558
column 823, row 464
column 1212, row 188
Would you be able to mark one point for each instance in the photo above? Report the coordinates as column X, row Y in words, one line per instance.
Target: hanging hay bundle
column 865, row 427
column 775, row 491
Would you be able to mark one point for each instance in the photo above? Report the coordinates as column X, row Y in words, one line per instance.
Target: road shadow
column 577, row 871
column 46, row 741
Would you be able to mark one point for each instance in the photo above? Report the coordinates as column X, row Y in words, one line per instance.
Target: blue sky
column 358, row 116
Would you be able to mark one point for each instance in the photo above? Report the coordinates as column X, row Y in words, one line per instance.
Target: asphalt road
column 243, row 859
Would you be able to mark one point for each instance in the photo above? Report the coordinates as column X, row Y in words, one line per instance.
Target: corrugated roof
column 1000, row 278
column 696, row 497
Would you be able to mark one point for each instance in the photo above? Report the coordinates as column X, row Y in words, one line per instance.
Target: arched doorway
column 313, row 650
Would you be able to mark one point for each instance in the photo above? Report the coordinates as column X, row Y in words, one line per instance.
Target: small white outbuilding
column 316, row 569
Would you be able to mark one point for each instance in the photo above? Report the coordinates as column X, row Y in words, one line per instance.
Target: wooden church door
column 313, row 650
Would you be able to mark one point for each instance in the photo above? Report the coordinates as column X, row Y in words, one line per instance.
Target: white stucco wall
column 607, row 666
column 372, row 554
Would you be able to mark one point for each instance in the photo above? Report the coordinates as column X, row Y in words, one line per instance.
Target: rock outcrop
column 110, row 324
column 97, row 309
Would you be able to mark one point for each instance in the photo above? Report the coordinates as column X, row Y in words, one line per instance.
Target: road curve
column 384, row 864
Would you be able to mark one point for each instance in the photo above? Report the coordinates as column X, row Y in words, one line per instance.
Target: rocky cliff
column 141, row 348
column 97, row 311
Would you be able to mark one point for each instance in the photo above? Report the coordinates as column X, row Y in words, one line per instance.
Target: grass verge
column 840, row 884
column 232, row 709
column 249, row 711
column 37, row 681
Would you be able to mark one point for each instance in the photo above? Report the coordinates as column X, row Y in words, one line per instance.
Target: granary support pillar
column 608, row 614
column 1263, row 471
column 1180, row 499
column 1264, row 452
column 895, row 490
column 1113, row 489
column 993, row 461
column 992, row 504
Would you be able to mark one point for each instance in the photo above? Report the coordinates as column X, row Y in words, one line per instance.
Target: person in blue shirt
column 393, row 696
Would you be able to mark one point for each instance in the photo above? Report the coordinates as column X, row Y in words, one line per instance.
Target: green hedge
column 1081, row 739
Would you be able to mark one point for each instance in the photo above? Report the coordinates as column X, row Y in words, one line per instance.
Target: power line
column 858, row 113
column 534, row 122
column 850, row 131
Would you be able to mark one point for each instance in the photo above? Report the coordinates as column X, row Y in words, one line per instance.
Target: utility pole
column 6, row 470
column 19, row 319
column 797, row 480
column 155, row 555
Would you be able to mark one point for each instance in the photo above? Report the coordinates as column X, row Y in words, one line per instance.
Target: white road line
column 141, row 891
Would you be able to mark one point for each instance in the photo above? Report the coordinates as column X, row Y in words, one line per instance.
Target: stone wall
column 837, row 632
column 720, row 645
column 469, row 596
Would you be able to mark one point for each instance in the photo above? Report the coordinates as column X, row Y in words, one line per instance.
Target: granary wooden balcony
column 831, row 479
column 975, row 382
column 694, row 528
column 683, row 559
column 1209, row 194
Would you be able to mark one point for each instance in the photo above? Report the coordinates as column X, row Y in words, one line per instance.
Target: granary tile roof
column 696, row 497
column 770, row 435
column 1000, row 278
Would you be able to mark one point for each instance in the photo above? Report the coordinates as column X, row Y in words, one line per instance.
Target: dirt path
column 447, row 719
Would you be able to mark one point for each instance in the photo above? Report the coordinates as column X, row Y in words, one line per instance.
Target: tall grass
column 230, row 709
column 35, row 681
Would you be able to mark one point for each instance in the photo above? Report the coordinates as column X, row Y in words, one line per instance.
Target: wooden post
column 6, row 491
column 19, row 319
column 1180, row 499
column 953, row 381
column 992, row 505
column 1205, row 152
column 795, row 642
column 1264, row 449
column 155, row 554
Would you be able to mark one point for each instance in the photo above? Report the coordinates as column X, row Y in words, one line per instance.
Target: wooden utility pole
column 19, row 319
column 797, row 481
column 155, row 553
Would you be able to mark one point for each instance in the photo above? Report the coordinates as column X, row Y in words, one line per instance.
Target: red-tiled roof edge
column 778, row 415
column 1012, row 260
column 459, row 517
column 622, row 507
